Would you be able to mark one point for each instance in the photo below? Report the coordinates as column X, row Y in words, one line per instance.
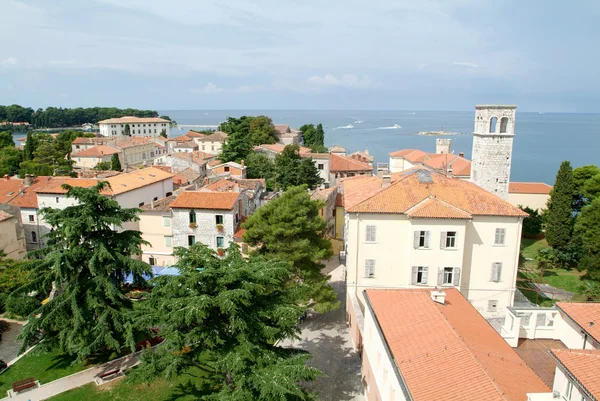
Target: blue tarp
column 156, row 271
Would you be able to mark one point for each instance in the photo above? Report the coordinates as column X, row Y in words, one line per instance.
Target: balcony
column 530, row 323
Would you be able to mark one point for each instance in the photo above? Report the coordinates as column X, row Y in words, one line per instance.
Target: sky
column 317, row 55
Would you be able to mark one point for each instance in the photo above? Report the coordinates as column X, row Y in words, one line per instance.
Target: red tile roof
column 583, row 365
column 132, row 119
column 194, row 134
column 9, row 188
column 96, row 151
column 411, row 187
column 344, row 163
column 433, row 207
column 459, row 165
column 217, row 136
column 28, row 198
column 586, row 315
column 449, row 352
column 5, row 216
column 412, row 155
column 529, row 188
column 133, row 141
column 206, row 200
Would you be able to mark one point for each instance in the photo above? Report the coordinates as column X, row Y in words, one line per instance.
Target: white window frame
column 168, row 240
column 424, row 275
column 369, row 268
column 496, row 276
column 422, row 235
column 500, row 233
column 450, row 238
column 371, row 234
column 167, row 221
column 32, row 218
column 492, row 305
column 454, row 276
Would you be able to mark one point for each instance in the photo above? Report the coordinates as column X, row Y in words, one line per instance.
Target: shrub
column 21, row 305
column 532, row 225
column 4, row 326
column 3, row 297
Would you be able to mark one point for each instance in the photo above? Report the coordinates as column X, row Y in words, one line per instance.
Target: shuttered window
column 421, row 239
column 492, row 305
column 419, row 275
column 371, row 234
column 500, row 236
column 449, row 276
column 370, row 268
column 496, row 272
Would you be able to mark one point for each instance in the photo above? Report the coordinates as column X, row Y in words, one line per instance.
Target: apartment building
column 138, row 126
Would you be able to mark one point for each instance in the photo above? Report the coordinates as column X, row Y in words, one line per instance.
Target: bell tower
column 492, row 147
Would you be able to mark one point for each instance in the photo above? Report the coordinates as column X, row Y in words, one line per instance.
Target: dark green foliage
column 10, row 160
column 3, row 298
column 259, row 166
column 293, row 170
column 236, row 148
column 115, row 163
column 314, row 138
column 127, row 130
column 591, row 188
column 262, row 131
column 163, row 133
column 591, row 264
column 532, row 225
column 309, row 131
column 244, row 133
column 290, row 228
column 223, row 316
column 21, row 304
column 50, row 156
column 580, row 176
column 6, row 139
column 103, row 166
column 13, row 274
column 559, row 216
column 85, row 261
column 588, row 227
column 30, row 145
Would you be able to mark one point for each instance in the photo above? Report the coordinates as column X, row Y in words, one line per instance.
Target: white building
column 211, row 218
column 422, row 229
column 138, row 126
column 492, row 147
column 424, row 345
column 212, row 143
column 534, row 195
column 577, row 376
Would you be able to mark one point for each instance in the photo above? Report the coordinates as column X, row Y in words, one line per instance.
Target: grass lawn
column 45, row 367
column 184, row 387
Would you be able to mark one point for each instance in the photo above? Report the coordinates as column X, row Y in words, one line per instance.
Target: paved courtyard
column 327, row 338
column 9, row 346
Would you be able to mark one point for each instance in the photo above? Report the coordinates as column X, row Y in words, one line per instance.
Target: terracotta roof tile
column 344, row 163
column 583, row 314
column 132, row 142
column 97, row 151
column 459, row 165
column 278, row 148
column 449, row 352
column 28, row 198
column 5, row 216
column 529, row 188
column 282, row 128
column 206, row 200
column 161, row 205
column 217, row 136
column 132, row 119
column 584, row 365
column 322, row 194
column 435, row 208
column 194, row 134
column 412, row 155
column 10, row 189
column 407, row 191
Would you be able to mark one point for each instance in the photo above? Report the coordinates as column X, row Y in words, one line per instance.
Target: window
column 569, row 391
column 371, row 234
column 370, row 268
column 152, row 261
column 503, row 125
column 449, row 276
column 219, row 219
column 321, row 166
column 57, row 199
column 168, row 241
column 492, row 305
column 493, row 122
column 226, row 168
column 166, row 221
column 33, row 236
column 191, row 240
column 496, row 272
column 419, row 275
column 141, row 204
column 421, row 239
column 448, row 240
column 31, row 218
column 192, row 216
column 500, row 236
column 220, row 242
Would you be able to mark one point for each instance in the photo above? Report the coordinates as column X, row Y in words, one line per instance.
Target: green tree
column 309, row 131
column 591, row 188
column 260, row 166
column 224, row 317
column 588, row 227
column 127, row 130
column 30, row 146
column 6, row 139
column 262, row 131
column 103, row 166
column 292, row 170
column 115, row 162
column 163, row 133
column 290, row 228
column 236, row 148
column 580, row 176
column 86, row 261
column 559, row 216
column 320, row 135
column 10, row 160
column 546, row 259
column 532, row 224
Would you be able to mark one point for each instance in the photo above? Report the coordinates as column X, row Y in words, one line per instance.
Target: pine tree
column 292, row 170
column 320, row 136
column 115, row 162
column 127, row 130
column 223, row 317
column 290, row 228
column 85, row 263
column 559, row 216
column 30, row 145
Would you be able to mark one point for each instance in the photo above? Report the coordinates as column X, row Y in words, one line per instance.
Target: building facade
column 138, row 126
column 534, row 195
column 156, row 226
column 12, row 238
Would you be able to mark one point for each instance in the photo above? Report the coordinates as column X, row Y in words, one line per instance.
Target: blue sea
column 542, row 140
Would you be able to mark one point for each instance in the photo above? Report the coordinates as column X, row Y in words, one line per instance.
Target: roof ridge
column 452, row 206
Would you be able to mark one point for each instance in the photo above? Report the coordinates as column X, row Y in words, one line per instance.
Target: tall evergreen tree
column 127, row 130
column 291, row 228
column 115, row 163
column 30, row 146
column 224, row 317
column 85, row 263
column 559, row 216
column 320, row 135
column 292, row 170
column 6, row 139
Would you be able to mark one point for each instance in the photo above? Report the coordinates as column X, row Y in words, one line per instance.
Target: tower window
column 493, row 122
column 503, row 125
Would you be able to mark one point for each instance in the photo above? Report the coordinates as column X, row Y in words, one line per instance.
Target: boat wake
column 359, row 121
column 349, row 126
column 395, row 126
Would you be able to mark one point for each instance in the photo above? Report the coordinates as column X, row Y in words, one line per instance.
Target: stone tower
column 492, row 147
column 442, row 145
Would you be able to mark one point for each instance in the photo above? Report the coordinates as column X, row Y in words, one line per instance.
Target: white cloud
column 8, row 61
column 209, row 88
column 466, row 64
column 345, row 81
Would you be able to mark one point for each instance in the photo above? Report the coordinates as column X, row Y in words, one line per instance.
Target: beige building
column 91, row 157
column 156, row 227
column 422, row 229
column 138, row 126
column 534, row 195
column 132, row 151
column 12, row 238
column 425, row 345
column 212, row 143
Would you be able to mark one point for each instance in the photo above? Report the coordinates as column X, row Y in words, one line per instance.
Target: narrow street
column 327, row 338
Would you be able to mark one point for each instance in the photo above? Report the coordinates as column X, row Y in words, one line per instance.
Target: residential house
column 328, row 211
column 425, row 344
column 171, row 143
column 91, row 157
column 361, row 156
column 288, row 136
column 185, row 147
column 132, row 151
column 212, row 143
column 12, row 239
column 343, row 166
column 252, row 188
column 577, row 376
column 338, row 150
column 138, row 126
column 423, row 229
column 187, row 177
column 534, row 195
column 156, row 226
column 137, row 152
column 196, row 161
column 323, row 163
column 224, row 170
column 211, row 218
column 447, row 163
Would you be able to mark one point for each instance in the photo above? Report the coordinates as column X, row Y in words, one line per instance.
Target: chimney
column 6, row 177
column 386, row 180
column 242, row 163
column 152, row 204
column 28, row 180
column 461, row 154
column 367, row 151
column 438, row 296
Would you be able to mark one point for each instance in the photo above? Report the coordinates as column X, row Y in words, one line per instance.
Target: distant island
column 440, row 133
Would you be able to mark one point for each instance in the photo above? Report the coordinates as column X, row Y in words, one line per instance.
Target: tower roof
column 495, row 106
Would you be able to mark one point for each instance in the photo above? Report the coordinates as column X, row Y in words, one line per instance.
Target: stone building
column 492, row 147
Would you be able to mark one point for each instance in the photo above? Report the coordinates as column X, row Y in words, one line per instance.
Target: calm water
column 542, row 141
